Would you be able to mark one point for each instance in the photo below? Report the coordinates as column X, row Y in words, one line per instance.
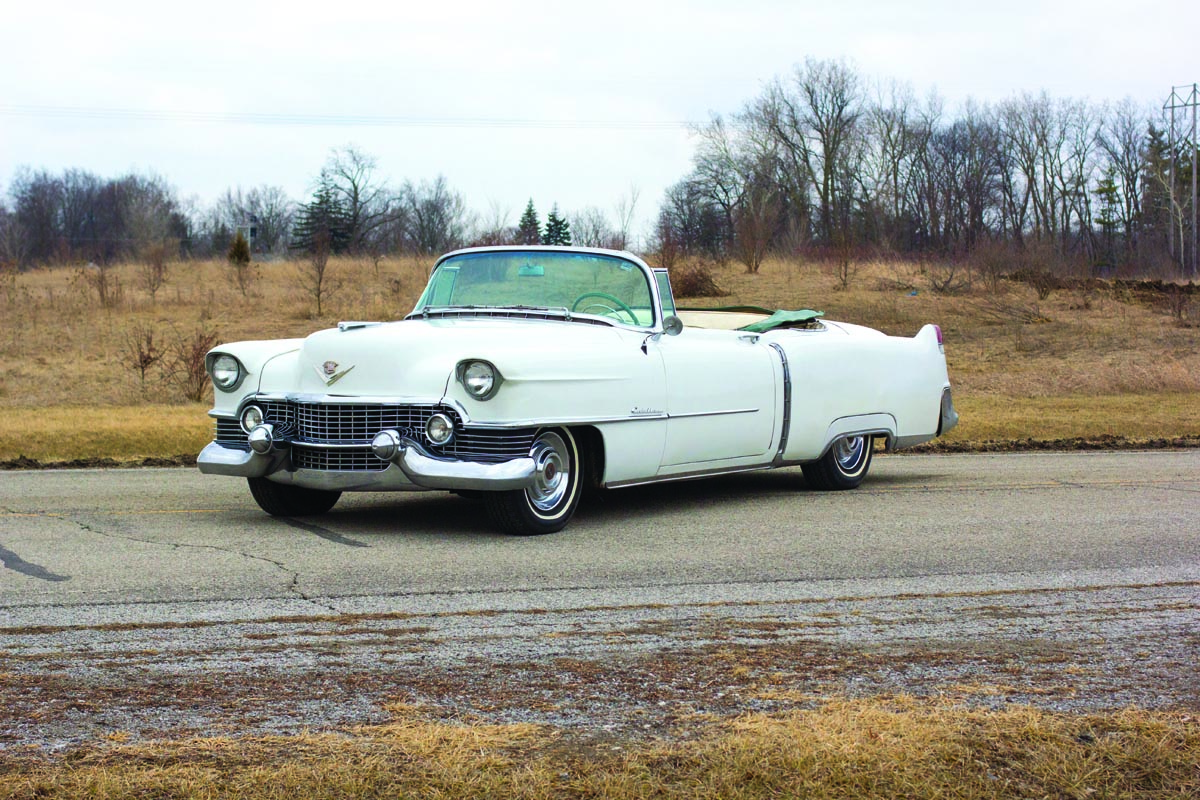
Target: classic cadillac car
column 526, row 374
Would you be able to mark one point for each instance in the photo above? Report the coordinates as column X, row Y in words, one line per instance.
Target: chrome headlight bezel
column 247, row 417
column 479, row 378
column 225, row 370
column 439, row 430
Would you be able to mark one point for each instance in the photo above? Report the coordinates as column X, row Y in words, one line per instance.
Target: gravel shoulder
column 660, row 670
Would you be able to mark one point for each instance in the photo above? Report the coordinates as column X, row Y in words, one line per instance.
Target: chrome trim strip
column 323, row 399
column 647, row 271
column 552, row 421
column 787, row 404
column 687, row 476
column 305, row 398
column 713, row 413
column 358, row 399
column 356, row 445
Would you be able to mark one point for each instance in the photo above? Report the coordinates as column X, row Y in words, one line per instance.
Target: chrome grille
column 320, row 433
column 230, row 434
column 338, row 459
column 349, row 423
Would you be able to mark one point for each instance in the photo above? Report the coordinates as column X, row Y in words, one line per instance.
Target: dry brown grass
column 1075, row 364
column 124, row 433
column 887, row 748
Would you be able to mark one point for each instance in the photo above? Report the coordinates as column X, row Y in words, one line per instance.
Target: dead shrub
column 992, row 262
column 948, row 277
column 1179, row 302
column 8, row 282
column 153, row 270
column 143, row 349
column 101, row 280
column 696, row 280
column 185, row 365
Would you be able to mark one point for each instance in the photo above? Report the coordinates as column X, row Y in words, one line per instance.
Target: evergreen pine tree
column 239, row 251
column 326, row 215
column 529, row 230
column 558, row 230
column 239, row 258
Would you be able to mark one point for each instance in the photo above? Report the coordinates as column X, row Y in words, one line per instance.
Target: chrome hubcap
column 848, row 452
column 553, row 472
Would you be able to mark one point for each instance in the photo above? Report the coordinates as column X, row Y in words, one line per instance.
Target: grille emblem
column 329, row 372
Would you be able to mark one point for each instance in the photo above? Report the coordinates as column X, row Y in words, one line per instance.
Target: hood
column 415, row 359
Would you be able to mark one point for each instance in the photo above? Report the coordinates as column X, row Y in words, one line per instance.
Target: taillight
column 941, row 341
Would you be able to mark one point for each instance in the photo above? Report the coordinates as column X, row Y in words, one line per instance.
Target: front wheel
column 844, row 465
column 285, row 500
column 549, row 504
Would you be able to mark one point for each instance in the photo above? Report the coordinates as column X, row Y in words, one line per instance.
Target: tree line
column 76, row 217
column 822, row 161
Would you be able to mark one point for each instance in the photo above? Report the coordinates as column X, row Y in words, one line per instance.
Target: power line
column 331, row 120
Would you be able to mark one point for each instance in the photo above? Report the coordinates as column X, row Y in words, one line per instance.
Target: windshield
column 582, row 283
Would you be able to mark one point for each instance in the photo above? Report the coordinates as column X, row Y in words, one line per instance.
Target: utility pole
column 1178, row 101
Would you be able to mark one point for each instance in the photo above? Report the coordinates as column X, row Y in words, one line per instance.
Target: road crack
column 293, row 585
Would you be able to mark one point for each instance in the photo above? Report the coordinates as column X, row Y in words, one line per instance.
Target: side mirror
column 672, row 325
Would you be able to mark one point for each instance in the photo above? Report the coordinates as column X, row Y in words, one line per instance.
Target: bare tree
column 314, row 272
column 356, row 187
column 1122, row 139
column 14, row 242
column 437, row 216
column 590, row 228
column 625, row 211
column 891, row 143
column 823, row 110
column 495, row 228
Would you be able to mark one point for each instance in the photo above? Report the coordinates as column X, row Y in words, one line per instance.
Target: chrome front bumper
column 412, row 469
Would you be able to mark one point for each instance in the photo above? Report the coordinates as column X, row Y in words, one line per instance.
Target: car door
column 721, row 398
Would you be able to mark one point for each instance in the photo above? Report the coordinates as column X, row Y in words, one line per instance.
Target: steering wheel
column 607, row 308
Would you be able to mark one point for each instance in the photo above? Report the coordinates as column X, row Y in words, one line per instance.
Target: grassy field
column 862, row 749
column 1098, row 363
column 1101, row 361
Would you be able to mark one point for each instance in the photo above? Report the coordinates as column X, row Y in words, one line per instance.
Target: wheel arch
column 590, row 440
column 881, row 426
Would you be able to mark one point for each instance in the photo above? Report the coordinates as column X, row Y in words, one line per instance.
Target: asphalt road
column 97, row 546
column 162, row 603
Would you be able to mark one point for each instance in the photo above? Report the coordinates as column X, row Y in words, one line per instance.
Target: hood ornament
column 329, row 372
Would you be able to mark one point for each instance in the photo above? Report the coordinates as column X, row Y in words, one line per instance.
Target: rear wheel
column 286, row 500
column 843, row 466
column 549, row 504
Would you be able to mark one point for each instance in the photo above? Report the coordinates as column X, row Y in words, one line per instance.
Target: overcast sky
column 563, row 102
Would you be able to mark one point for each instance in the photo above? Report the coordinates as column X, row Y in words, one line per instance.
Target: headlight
column 479, row 378
column 226, row 372
column 439, row 429
column 252, row 417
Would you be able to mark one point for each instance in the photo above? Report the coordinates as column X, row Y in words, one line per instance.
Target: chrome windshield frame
column 555, row 312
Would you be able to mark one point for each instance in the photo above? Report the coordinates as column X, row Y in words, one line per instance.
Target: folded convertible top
column 783, row 319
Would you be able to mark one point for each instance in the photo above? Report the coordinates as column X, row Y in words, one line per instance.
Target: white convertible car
column 526, row 374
